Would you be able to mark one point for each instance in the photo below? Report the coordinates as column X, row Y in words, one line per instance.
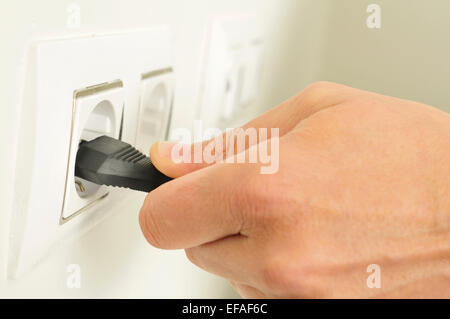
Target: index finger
column 196, row 208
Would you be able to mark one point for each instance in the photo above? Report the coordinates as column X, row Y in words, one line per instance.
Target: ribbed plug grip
column 107, row 161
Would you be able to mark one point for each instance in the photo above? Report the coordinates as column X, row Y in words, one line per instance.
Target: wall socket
column 233, row 67
column 97, row 110
column 155, row 107
column 81, row 87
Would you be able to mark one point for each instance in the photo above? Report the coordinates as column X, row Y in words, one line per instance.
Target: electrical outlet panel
column 97, row 110
column 154, row 108
column 80, row 88
column 233, row 67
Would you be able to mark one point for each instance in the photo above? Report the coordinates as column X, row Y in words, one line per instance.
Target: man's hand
column 363, row 179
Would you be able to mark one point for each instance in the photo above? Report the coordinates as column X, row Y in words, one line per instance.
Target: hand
column 363, row 179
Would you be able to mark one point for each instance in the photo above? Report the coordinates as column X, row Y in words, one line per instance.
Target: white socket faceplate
column 233, row 64
column 59, row 68
column 96, row 111
column 154, row 108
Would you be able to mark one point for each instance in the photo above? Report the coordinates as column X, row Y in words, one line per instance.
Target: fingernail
column 165, row 149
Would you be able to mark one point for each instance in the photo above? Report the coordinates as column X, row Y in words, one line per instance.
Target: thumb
column 175, row 159
column 166, row 155
column 168, row 158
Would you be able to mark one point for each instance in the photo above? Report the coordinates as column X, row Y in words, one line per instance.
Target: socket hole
column 101, row 121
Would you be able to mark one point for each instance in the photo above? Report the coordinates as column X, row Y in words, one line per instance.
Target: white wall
column 306, row 40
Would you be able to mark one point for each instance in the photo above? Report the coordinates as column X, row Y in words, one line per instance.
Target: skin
column 363, row 179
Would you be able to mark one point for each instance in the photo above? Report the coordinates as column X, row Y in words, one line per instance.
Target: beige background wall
column 408, row 57
column 306, row 40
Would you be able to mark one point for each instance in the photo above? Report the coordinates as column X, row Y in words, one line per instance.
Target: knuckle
column 193, row 256
column 322, row 94
column 297, row 281
column 319, row 87
column 190, row 255
column 274, row 277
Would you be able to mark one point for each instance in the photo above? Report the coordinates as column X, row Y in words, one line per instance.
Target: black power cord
column 108, row 161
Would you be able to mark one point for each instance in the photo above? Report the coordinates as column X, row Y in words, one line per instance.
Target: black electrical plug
column 108, row 161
